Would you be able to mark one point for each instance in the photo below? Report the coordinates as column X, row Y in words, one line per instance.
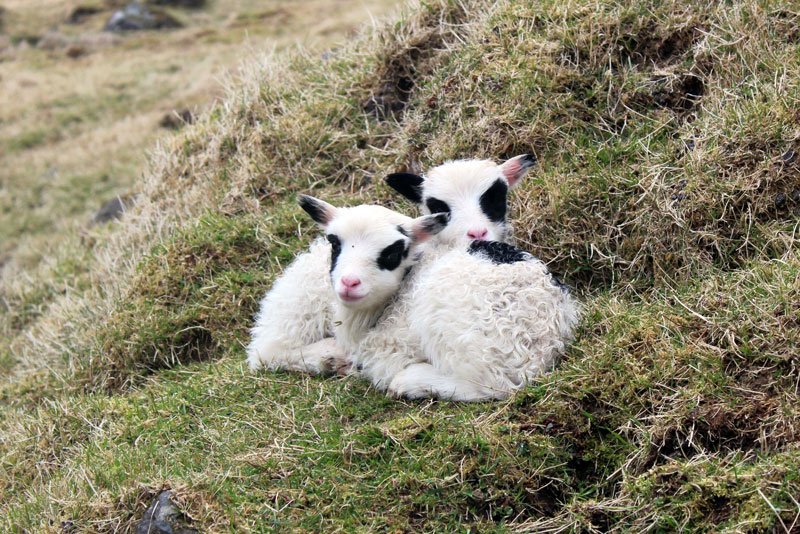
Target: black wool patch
column 336, row 249
column 392, row 256
column 437, row 206
column 498, row 253
column 494, row 202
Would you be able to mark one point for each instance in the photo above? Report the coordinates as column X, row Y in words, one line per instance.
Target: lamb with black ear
column 371, row 251
column 297, row 311
column 473, row 191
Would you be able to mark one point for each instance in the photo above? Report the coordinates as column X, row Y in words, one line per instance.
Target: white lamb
column 297, row 312
column 465, row 325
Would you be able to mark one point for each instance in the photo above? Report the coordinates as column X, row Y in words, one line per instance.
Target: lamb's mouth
column 350, row 297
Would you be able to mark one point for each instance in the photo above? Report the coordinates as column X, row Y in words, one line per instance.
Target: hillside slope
column 668, row 195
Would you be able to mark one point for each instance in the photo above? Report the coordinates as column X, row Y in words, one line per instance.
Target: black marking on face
column 392, row 256
column 498, row 252
column 493, row 201
column 437, row 206
column 407, row 184
column 336, row 249
column 402, row 230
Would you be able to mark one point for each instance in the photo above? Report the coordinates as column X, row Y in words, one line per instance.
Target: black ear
column 427, row 226
column 319, row 210
column 407, row 184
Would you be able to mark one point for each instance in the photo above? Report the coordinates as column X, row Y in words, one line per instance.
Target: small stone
column 780, row 200
column 112, row 210
column 163, row 517
column 136, row 16
column 176, row 119
column 75, row 51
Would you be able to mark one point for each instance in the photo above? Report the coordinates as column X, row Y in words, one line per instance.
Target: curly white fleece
column 465, row 329
column 294, row 314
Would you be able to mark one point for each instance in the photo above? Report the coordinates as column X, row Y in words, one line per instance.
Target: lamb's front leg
column 423, row 380
column 323, row 357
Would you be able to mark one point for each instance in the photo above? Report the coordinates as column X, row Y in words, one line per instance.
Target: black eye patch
column 392, row 256
column 437, row 206
column 493, row 201
column 336, row 249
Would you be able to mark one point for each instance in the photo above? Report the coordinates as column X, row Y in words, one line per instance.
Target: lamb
column 464, row 325
column 297, row 312
column 373, row 250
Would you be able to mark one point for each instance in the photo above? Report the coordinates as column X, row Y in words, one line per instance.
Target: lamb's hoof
column 342, row 366
column 335, row 365
column 401, row 388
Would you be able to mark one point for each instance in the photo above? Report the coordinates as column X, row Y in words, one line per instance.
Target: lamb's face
column 372, row 249
column 473, row 192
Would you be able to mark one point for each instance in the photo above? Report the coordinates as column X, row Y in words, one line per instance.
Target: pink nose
column 350, row 282
column 477, row 233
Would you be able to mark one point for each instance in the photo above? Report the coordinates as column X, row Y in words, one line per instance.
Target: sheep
column 297, row 312
column 488, row 320
column 463, row 325
column 373, row 250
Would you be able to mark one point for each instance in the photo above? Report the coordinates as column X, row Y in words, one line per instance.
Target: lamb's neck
column 352, row 325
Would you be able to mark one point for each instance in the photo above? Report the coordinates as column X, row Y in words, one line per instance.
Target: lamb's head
column 474, row 193
column 372, row 248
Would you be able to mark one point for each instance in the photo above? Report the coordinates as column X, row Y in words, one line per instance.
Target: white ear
column 319, row 210
column 515, row 168
column 423, row 228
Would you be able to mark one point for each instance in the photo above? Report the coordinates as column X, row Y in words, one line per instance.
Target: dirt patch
column 679, row 93
column 751, row 425
column 652, row 46
column 409, row 61
column 647, row 46
column 398, row 76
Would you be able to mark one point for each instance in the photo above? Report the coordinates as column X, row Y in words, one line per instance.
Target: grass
column 666, row 195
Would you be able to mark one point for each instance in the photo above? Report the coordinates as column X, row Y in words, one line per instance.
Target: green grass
column 666, row 195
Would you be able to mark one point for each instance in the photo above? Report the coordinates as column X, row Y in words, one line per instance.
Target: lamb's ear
column 407, row 184
column 515, row 168
column 319, row 210
column 427, row 226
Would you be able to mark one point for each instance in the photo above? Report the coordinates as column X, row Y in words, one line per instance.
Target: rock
column 75, row 51
column 113, row 209
column 192, row 4
column 136, row 16
column 176, row 119
column 81, row 13
column 163, row 517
